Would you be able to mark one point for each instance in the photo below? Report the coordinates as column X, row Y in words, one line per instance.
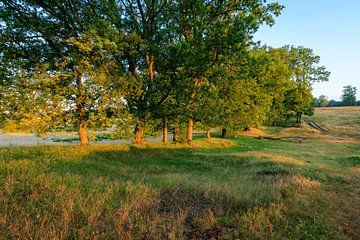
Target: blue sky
column 331, row 28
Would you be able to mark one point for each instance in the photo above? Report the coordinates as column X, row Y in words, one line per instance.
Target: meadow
column 303, row 185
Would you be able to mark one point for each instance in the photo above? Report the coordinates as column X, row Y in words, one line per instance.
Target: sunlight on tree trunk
column 176, row 131
column 165, row 131
column 150, row 62
column 208, row 134
column 80, row 105
column 139, row 132
column 82, row 134
column 189, row 133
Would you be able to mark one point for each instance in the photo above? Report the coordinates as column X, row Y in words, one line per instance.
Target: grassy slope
column 240, row 188
column 344, row 120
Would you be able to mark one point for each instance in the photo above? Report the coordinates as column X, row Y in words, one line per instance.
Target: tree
column 322, row 101
column 277, row 81
column 207, row 35
column 69, row 42
column 348, row 97
column 305, row 68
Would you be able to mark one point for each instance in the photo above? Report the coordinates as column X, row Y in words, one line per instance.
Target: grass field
column 343, row 120
column 241, row 188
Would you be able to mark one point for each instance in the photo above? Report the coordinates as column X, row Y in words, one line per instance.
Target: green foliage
column 322, row 101
column 129, row 64
column 349, row 96
column 305, row 70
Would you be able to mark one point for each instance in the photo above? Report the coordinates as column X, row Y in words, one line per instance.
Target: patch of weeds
column 311, row 228
column 353, row 161
column 66, row 140
column 323, row 176
column 91, row 136
column 258, row 222
column 278, row 172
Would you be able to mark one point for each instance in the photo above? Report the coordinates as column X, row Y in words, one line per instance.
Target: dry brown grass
column 40, row 209
column 343, row 120
column 345, row 209
column 355, row 169
column 273, row 157
column 254, row 132
column 305, row 183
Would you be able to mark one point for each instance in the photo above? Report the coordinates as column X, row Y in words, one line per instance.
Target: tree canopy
column 349, row 96
column 146, row 65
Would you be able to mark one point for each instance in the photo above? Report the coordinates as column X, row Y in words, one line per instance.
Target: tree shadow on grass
column 123, row 164
column 235, row 180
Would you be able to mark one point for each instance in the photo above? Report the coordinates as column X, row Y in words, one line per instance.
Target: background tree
column 306, row 70
column 276, row 78
column 348, row 97
column 322, row 101
column 209, row 33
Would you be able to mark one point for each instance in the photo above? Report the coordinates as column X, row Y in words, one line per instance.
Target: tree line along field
column 244, row 187
column 139, row 67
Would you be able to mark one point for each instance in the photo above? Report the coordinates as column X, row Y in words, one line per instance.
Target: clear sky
column 331, row 28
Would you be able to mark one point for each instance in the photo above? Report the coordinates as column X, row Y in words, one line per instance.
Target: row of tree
column 139, row 65
column 348, row 98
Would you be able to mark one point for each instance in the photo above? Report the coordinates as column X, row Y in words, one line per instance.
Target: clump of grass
column 92, row 136
column 258, row 222
column 304, row 182
column 352, row 161
column 66, row 140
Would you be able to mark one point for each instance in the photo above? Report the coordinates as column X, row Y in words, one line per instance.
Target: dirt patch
column 199, row 222
column 279, row 172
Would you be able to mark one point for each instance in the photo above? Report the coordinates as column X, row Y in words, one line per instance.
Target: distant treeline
column 348, row 98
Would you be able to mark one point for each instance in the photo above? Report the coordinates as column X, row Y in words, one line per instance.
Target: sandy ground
column 20, row 139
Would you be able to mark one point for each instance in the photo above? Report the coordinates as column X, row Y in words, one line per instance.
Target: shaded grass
column 221, row 189
column 93, row 138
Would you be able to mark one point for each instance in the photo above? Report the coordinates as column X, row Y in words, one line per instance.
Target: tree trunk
column 224, row 133
column 208, row 134
column 298, row 117
column 165, row 131
column 139, row 132
column 80, row 107
column 82, row 134
column 189, row 133
column 176, row 131
column 150, row 62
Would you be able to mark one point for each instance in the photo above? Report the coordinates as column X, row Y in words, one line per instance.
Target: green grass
column 244, row 188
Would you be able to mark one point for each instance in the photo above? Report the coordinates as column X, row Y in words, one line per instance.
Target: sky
column 331, row 28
